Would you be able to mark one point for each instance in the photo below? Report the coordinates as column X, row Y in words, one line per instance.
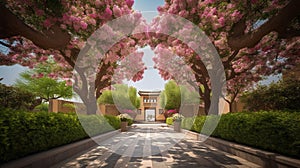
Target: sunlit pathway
column 154, row 146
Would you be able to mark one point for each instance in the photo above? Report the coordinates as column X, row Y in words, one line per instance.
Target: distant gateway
column 150, row 109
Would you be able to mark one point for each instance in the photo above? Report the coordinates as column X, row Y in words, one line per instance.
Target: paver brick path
column 151, row 145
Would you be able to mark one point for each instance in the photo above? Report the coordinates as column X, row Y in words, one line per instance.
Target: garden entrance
column 150, row 109
column 150, row 115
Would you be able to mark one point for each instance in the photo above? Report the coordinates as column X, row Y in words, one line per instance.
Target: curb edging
column 257, row 156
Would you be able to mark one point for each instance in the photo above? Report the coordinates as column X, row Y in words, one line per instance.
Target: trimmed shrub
column 113, row 121
column 130, row 122
column 169, row 121
column 95, row 124
column 283, row 95
column 70, row 107
column 15, row 98
column 272, row 131
column 24, row 133
column 42, row 107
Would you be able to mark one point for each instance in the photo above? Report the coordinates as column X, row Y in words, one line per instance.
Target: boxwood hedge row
column 272, row 131
column 24, row 133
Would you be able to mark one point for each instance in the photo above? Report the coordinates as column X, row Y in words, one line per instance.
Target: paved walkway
column 153, row 145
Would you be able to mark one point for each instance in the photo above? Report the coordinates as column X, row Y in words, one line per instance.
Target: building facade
column 150, row 109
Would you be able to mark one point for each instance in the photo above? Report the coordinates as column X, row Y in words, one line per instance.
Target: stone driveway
column 157, row 146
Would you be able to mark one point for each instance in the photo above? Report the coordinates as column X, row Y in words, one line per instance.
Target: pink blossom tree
column 35, row 31
column 253, row 38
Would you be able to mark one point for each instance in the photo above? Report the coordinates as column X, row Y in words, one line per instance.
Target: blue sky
column 147, row 5
column 151, row 79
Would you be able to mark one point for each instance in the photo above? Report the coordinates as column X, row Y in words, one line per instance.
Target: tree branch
column 226, row 63
column 69, row 60
column 238, row 40
column 11, row 25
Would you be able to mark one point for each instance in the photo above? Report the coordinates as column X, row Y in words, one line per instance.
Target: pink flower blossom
column 76, row 27
column 39, row 12
column 63, row 26
column 40, row 75
column 83, row 25
column 93, row 15
column 117, row 11
column 47, row 23
column 236, row 14
column 129, row 3
column 221, row 21
column 51, row 75
column 209, row 1
column 160, row 9
column 98, row 3
column 108, row 12
column 69, row 83
column 43, row 58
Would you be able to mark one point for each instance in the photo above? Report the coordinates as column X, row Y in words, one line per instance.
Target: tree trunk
column 88, row 97
column 230, row 103
column 35, row 103
column 207, row 103
column 230, row 107
column 92, row 107
column 91, row 103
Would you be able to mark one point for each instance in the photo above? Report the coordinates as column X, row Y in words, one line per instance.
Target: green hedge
column 130, row 122
column 113, row 121
column 96, row 124
column 24, row 133
column 169, row 121
column 41, row 107
column 272, row 131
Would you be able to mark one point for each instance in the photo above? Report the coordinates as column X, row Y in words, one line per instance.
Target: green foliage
column 135, row 100
column 42, row 107
column 169, row 121
column 44, row 87
column 122, row 96
column 170, row 98
column 15, row 98
column 189, row 95
column 113, row 121
column 284, row 95
column 174, row 96
column 130, row 122
column 24, row 133
column 188, row 123
column 272, row 131
column 106, row 97
column 70, row 107
column 95, row 124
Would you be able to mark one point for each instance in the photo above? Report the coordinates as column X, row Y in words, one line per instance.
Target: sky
column 151, row 79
